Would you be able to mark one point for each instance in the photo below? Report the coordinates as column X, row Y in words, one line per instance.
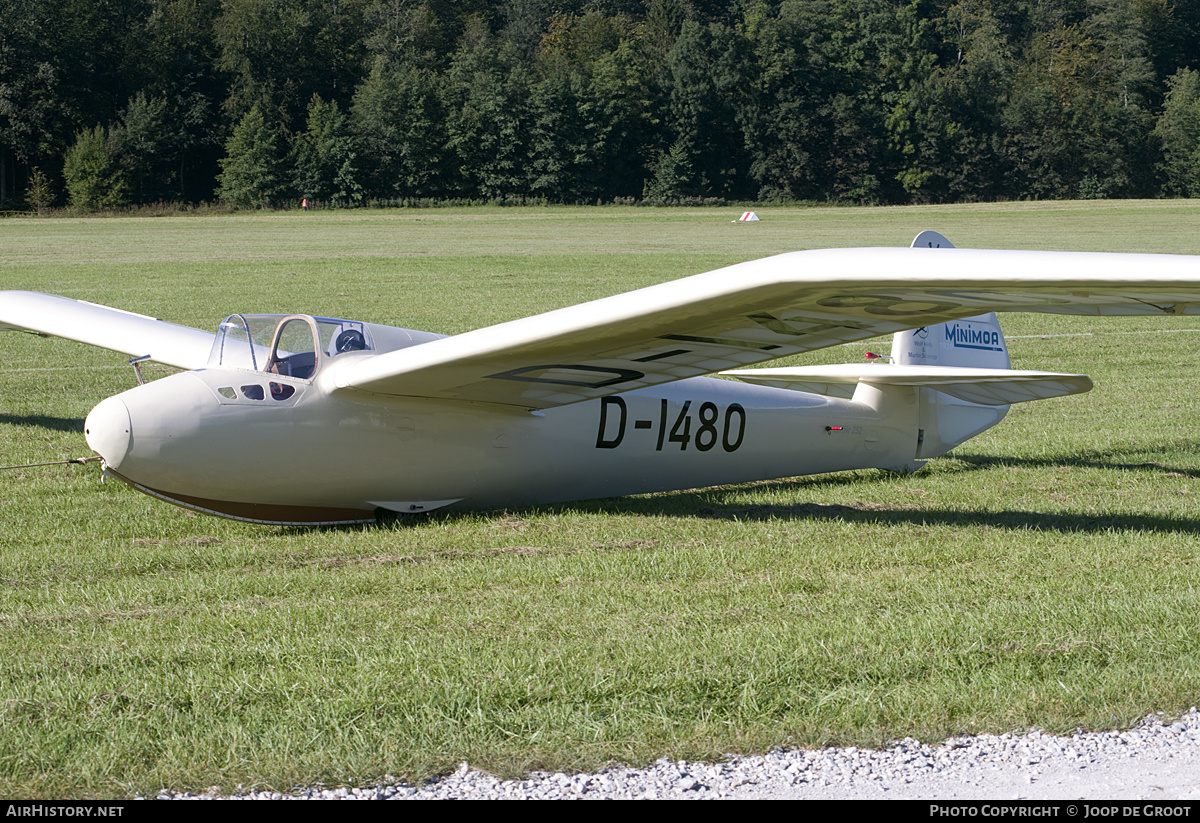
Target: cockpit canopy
column 292, row 345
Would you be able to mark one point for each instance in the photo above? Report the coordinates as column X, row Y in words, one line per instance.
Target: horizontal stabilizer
column 987, row 387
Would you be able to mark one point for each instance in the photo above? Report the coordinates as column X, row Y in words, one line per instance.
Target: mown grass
column 1044, row 574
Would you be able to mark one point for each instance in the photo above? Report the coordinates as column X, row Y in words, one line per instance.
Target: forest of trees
column 111, row 103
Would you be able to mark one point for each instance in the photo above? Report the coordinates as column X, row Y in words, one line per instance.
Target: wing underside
column 764, row 310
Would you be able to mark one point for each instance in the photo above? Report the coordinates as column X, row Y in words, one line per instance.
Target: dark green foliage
column 404, row 34
column 589, row 118
column 400, row 123
column 710, row 80
column 33, row 126
column 790, row 127
column 974, row 77
column 857, row 101
column 325, row 159
column 253, row 173
column 181, row 53
column 92, row 168
column 28, row 80
column 149, row 151
column 487, row 102
column 1077, row 115
column 97, row 49
column 281, row 52
column 671, row 175
column 1179, row 131
column 39, row 196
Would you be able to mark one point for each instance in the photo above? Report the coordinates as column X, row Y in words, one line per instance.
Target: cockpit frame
column 290, row 345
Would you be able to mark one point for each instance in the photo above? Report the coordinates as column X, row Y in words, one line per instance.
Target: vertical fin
column 975, row 342
column 930, row 240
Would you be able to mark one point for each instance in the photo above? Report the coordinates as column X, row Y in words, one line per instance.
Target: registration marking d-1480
column 713, row 425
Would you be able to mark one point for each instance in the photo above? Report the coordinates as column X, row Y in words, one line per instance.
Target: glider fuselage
column 267, row 448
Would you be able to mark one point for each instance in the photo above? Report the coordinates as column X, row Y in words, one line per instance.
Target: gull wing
column 108, row 328
column 763, row 310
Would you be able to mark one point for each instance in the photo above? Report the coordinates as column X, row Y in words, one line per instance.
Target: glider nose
column 109, row 431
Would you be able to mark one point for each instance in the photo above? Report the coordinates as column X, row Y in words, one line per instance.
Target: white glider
column 307, row 420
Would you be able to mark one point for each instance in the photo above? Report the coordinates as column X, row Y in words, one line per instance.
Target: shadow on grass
column 1087, row 460
column 729, row 503
column 707, row 506
column 879, row 514
column 62, row 424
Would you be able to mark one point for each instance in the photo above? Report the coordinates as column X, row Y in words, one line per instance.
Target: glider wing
column 763, row 310
column 108, row 328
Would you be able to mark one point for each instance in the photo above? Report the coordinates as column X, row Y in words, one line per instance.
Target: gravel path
column 1152, row 761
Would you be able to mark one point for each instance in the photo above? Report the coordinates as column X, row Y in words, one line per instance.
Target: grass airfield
column 1044, row 574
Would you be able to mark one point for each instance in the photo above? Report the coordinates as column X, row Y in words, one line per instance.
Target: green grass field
column 1045, row 574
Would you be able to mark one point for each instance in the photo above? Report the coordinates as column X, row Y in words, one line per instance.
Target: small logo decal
column 967, row 337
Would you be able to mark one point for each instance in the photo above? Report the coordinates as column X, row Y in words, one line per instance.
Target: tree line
column 108, row 103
